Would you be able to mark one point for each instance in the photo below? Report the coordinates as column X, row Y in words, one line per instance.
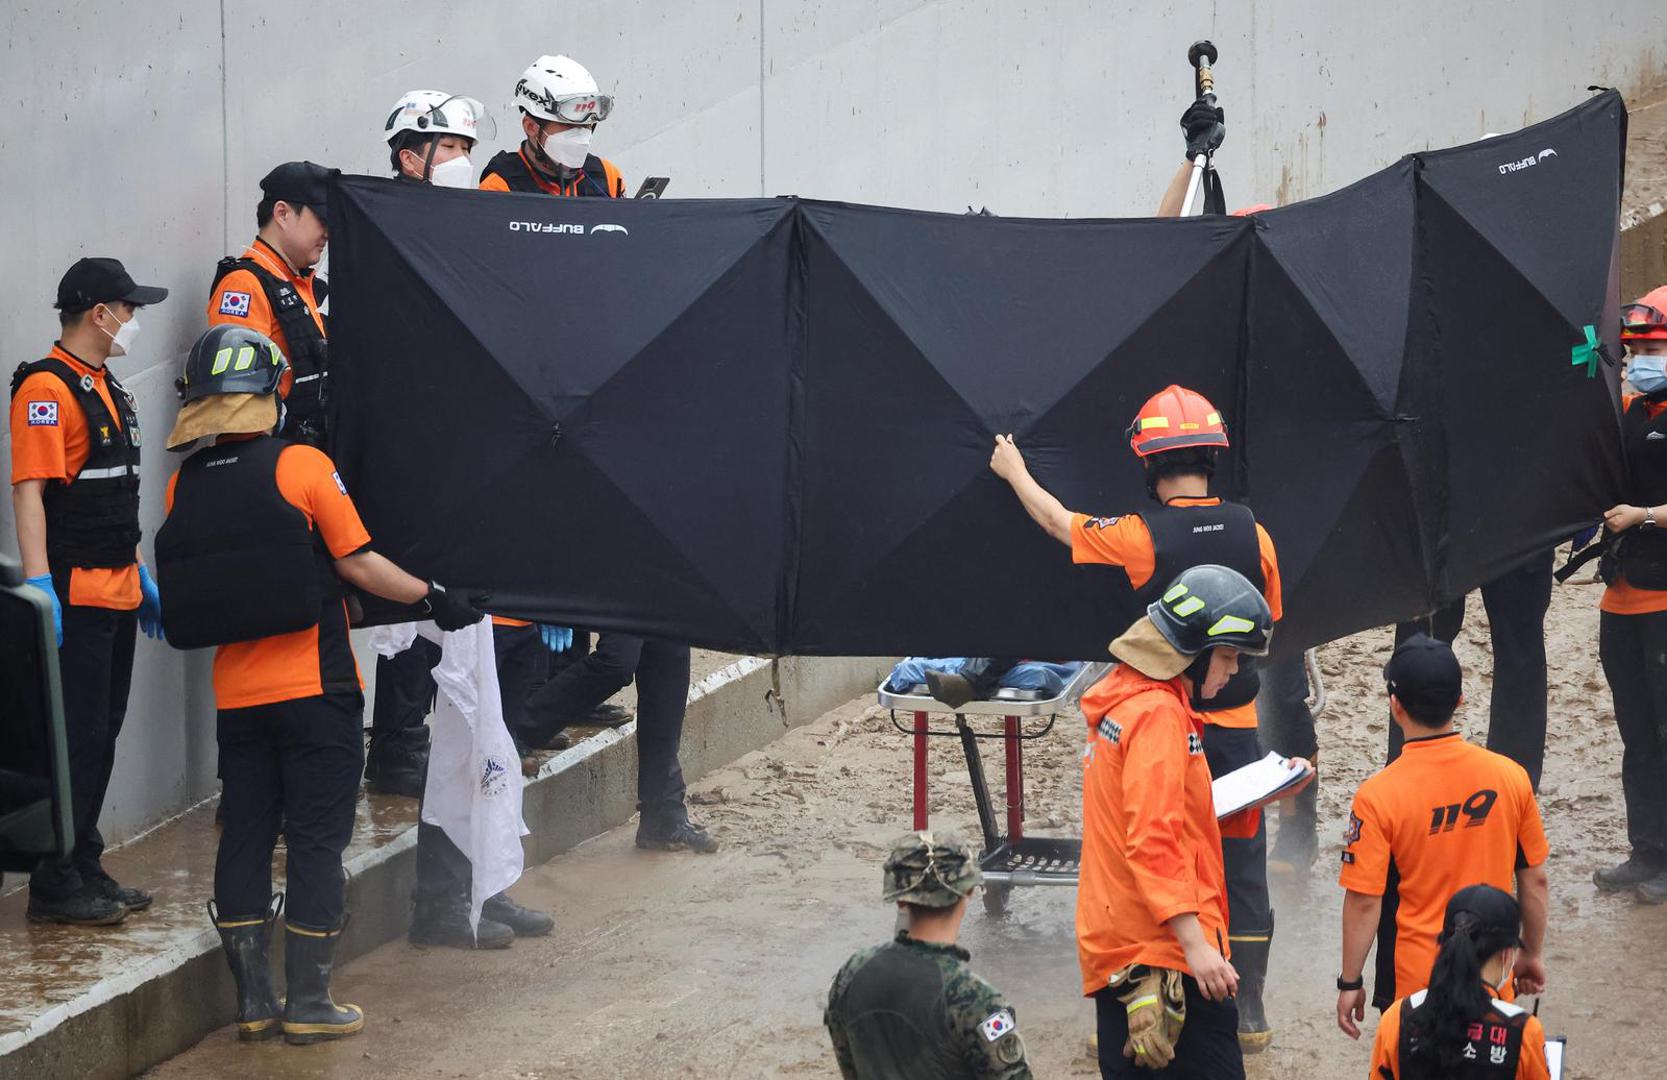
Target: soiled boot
column 246, row 941
column 309, row 1014
column 524, row 921
column 1297, row 844
column 1250, row 958
column 446, row 923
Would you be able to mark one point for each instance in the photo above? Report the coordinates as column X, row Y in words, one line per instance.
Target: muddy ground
column 718, row 966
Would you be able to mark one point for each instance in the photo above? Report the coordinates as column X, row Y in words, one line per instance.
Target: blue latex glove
column 556, row 638
column 44, row 584
column 150, row 604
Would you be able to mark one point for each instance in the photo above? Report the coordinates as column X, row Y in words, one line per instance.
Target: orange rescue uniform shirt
column 1443, row 815
column 1126, row 542
column 1386, row 1047
column 1150, row 846
column 1622, row 598
column 55, row 453
column 287, row 666
column 240, row 300
column 616, row 180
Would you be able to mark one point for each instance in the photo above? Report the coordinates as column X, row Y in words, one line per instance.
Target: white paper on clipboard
column 1256, row 783
column 1554, row 1058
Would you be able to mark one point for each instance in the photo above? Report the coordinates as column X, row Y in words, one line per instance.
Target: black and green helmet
column 231, row 359
column 1212, row 605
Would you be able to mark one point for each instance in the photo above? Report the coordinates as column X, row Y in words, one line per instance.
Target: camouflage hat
column 932, row 869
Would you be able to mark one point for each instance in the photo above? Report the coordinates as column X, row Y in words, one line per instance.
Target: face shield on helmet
column 435, row 112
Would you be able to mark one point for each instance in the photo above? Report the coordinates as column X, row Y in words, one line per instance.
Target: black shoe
column 85, row 908
column 609, row 716
column 953, row 690
column 523, row 920
column 682, row 836
column 1653, row 891
column 97, row 881
column 246, row 942
column 309, row 1014
column 397, row 764
column 447, row 925
column 1628, row 875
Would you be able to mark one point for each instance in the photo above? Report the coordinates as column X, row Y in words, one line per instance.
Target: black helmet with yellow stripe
column 1211, row 605
column 231, row 359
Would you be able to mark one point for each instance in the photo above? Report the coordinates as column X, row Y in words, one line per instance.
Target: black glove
column 1205, row 126
column 450, row 611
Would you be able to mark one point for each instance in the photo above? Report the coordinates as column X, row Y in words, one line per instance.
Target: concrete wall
column 141, row 130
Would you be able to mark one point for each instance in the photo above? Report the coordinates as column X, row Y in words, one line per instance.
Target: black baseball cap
column 1495, row 910
column 299, row 183
column 1424, row 674
column 99, row 281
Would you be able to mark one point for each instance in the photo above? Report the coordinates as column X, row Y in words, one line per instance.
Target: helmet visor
column 1642, row 320
column 583, row 108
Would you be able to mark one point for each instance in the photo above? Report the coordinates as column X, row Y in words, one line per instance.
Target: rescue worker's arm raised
column 1047, row 511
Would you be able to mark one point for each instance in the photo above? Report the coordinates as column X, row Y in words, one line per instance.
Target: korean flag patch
column 234, row 303
column 43, row 414
column 997, row 1024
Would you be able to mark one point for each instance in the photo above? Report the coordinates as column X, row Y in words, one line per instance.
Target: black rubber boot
column 1250, row 960
column 309, row 1014
column 397, row 764
column 246, row 941
column 1628, row 875
column 446, row 924
column 523, row 920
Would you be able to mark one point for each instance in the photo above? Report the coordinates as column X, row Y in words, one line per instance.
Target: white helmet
column 560, row 88
column 435, row 112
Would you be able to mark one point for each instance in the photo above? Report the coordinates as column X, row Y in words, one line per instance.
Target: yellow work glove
column 1156, row 1007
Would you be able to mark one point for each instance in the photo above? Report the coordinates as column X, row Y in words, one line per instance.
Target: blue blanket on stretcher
column 1025, row 675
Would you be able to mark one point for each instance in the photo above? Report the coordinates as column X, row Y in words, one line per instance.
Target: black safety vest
column 1187, row 536
column 1494, row 1043
column 235, row 559
column 1640, row 555
column 93, row 520
column 512, row 168
column 307, row 405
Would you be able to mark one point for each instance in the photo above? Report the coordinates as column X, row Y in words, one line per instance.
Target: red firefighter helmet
column 1176, row 418
column 1647, row 319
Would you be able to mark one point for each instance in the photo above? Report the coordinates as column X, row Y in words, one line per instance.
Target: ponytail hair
column 1456, row 997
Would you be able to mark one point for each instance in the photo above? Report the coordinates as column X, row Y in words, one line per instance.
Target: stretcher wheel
column 995, row 900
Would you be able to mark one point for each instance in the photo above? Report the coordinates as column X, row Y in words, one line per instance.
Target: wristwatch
column 1351, row 984
column 1649, row 518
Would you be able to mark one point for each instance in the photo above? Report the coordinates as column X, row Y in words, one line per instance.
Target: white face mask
column 569, row 148
column 122, row 340
column 459, row 172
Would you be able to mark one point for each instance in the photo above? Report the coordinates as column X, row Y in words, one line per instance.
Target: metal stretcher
column 1011, row 859
column 1016, row 859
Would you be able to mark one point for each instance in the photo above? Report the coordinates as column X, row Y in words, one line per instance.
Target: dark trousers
column 1634, row 653
column 1282, row 717
column 95, row 664
column 523, row 667
column 1208, row 1048
column 1245, row 859
column 661, row 669
column 297, row 763
column 404, row 689
column 1516, row 604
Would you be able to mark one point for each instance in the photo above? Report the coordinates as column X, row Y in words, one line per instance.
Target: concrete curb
column 147, row 1014
column 1643, row 250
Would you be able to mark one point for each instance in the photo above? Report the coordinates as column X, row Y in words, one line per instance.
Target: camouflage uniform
column 910, row 1008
